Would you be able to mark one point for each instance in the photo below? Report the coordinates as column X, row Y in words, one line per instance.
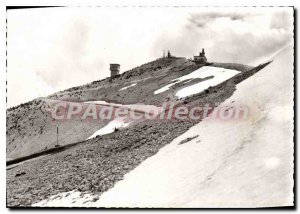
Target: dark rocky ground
column 95, row 165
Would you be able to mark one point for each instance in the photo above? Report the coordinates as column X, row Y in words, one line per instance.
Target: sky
column 52, row 49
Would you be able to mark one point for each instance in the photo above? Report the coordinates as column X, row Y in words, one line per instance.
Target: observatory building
column 201, row 59
column 114, row 70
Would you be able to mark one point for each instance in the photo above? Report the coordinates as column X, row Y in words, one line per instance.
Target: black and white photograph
column 150, row 107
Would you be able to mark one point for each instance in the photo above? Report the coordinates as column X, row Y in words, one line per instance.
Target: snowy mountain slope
column 230, row 163
column 106, row 158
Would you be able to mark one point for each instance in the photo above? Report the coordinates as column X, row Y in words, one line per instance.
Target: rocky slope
column 31, row 129
column 95, row 165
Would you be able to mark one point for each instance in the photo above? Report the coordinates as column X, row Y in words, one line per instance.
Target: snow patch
column 68, row 199
column 123, row 122
column 110, row 127
column 219, row 76
column 100, row 102
column 142, row 108
column 128, row 87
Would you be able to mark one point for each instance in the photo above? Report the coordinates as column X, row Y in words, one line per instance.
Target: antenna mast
column 57, row 136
